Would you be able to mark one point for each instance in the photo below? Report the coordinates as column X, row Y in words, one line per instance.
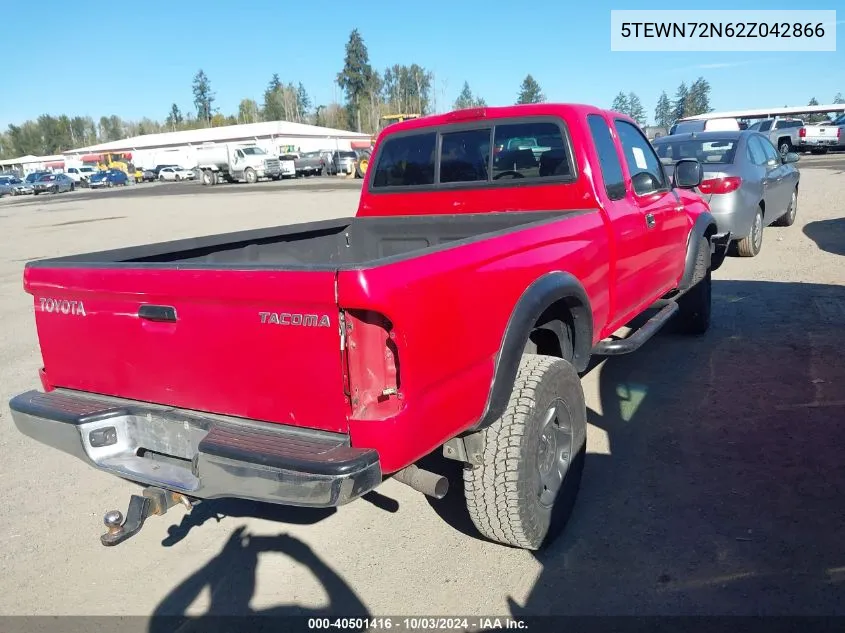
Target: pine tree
column 636, row 110
column 698, row 98
column 620, row 103
column 530, row 92
column 679, row 105
column 839, row 98
column 203, row 96
column 663, row 111
column 356, row 75
column 467, row 100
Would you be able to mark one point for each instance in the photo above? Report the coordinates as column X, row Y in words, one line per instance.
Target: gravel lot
column 715, row 482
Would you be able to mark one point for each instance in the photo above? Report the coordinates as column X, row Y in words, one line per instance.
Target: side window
column 530, row 150
column 406, row 161
column 769, row 149
column 647, row 175
column 755, row 151
column 464, row 156
column 611, row 168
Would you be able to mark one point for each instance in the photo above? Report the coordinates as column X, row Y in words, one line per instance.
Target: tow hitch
column 152, row 501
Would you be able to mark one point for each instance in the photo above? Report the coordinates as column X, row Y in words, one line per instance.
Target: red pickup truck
column 493, row 252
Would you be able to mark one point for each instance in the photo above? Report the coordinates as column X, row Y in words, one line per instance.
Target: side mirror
column 791, row 157
column 688, row 173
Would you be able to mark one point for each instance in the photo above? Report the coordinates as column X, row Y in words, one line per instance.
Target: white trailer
column 235, row 162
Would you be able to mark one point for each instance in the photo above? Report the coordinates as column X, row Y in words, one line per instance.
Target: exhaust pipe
column 424, row 481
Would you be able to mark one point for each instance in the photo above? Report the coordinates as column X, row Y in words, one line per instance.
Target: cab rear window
column 502, row 152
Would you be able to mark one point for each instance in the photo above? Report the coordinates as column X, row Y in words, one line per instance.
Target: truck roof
column 563, row 110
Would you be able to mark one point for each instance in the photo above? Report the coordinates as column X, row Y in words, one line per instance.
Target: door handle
column 151, row 312
column 649, row 220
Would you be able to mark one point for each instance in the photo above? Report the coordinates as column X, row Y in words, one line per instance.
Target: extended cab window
column 647, row 175
column 406, row 161
column 464, row 156
column 611, row 168
column 530, row 150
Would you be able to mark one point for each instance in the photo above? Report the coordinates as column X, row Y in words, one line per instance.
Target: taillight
column 371, row 359
column 720, row 185
column 838, row 132
column 802, row 132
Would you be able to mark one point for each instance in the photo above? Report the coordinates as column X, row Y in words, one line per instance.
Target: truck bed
column 316, row 246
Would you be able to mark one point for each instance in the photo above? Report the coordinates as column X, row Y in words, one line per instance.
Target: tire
column 249, row 176
column 508, row 498
column 178, row 177
column 788, row 218
column 694, row 306
column 162, row 178
column 207, row 178
column 750, row 245
column 784, row 146
column 54, row 190
column 72, row 187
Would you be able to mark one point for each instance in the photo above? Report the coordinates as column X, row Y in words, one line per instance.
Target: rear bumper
column 818, row 142
column 199, row 455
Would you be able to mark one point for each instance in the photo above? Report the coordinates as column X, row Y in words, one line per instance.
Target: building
column 28, row 164
column 179, row 148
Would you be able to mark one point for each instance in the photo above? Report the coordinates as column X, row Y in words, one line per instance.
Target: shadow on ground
column 723, row 491
column 230, row 578
column 829, row 235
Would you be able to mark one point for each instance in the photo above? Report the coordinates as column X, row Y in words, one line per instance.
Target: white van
column 704, row 125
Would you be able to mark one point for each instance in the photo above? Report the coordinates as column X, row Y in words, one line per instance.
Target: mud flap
column 719, row 244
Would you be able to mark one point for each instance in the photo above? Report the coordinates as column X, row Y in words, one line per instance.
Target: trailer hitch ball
column 113, row 521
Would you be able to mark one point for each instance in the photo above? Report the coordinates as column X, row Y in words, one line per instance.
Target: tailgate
column 255, row 344
column 819, row 132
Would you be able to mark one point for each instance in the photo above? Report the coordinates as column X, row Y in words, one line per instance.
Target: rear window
column 719, row 151
column 524, row 151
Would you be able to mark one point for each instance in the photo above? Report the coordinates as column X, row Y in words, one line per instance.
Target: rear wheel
column 750, row 245
column 523, row 492
column 788, row 218
column 694, row 305
column 784, row 146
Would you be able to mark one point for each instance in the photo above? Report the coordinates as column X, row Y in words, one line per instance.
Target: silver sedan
column 747, row 183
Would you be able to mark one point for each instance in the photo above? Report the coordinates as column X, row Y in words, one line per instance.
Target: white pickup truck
column 820, row 137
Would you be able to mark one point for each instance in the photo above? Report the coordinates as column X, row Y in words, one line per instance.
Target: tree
column 636, row 110
column 407, row 89
column 303, row 103
column 467, row 100
column 663, row 111
column 529, row 91
column 203, row 96
column 839, row 98
column 620, row 103
column 817, row 117
column 274, row 100
column 698, row 98
column 356, row 75
column 247, row 111
column 680, row 103
column 174, row 119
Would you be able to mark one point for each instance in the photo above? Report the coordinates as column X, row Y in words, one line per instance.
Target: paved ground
column 714, row 484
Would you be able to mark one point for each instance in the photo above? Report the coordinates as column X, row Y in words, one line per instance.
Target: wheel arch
column 554, row 296
column 704, row 227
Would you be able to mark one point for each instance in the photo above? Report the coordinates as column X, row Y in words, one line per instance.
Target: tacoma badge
column 285, row 318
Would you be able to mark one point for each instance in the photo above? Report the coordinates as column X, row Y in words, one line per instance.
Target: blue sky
column 136, row 61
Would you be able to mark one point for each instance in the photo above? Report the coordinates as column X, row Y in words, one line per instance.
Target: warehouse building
column 179, row 148
column 28, row 164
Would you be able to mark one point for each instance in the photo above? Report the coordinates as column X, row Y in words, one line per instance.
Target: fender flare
column 704, row 227
column 536, row 299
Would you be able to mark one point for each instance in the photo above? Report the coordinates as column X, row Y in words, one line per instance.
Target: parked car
column 53, row 183
column 35, row 176
column 20, row 187
column 818, row 138
column 785, row 133
column 109, row 178
column 81, row 175
column 747, row 183
column 686, row 126
column 175, row 173
column 148, row 175
column 6, row 186
column 528, row 272
column 309, row 164
column 341, row 162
